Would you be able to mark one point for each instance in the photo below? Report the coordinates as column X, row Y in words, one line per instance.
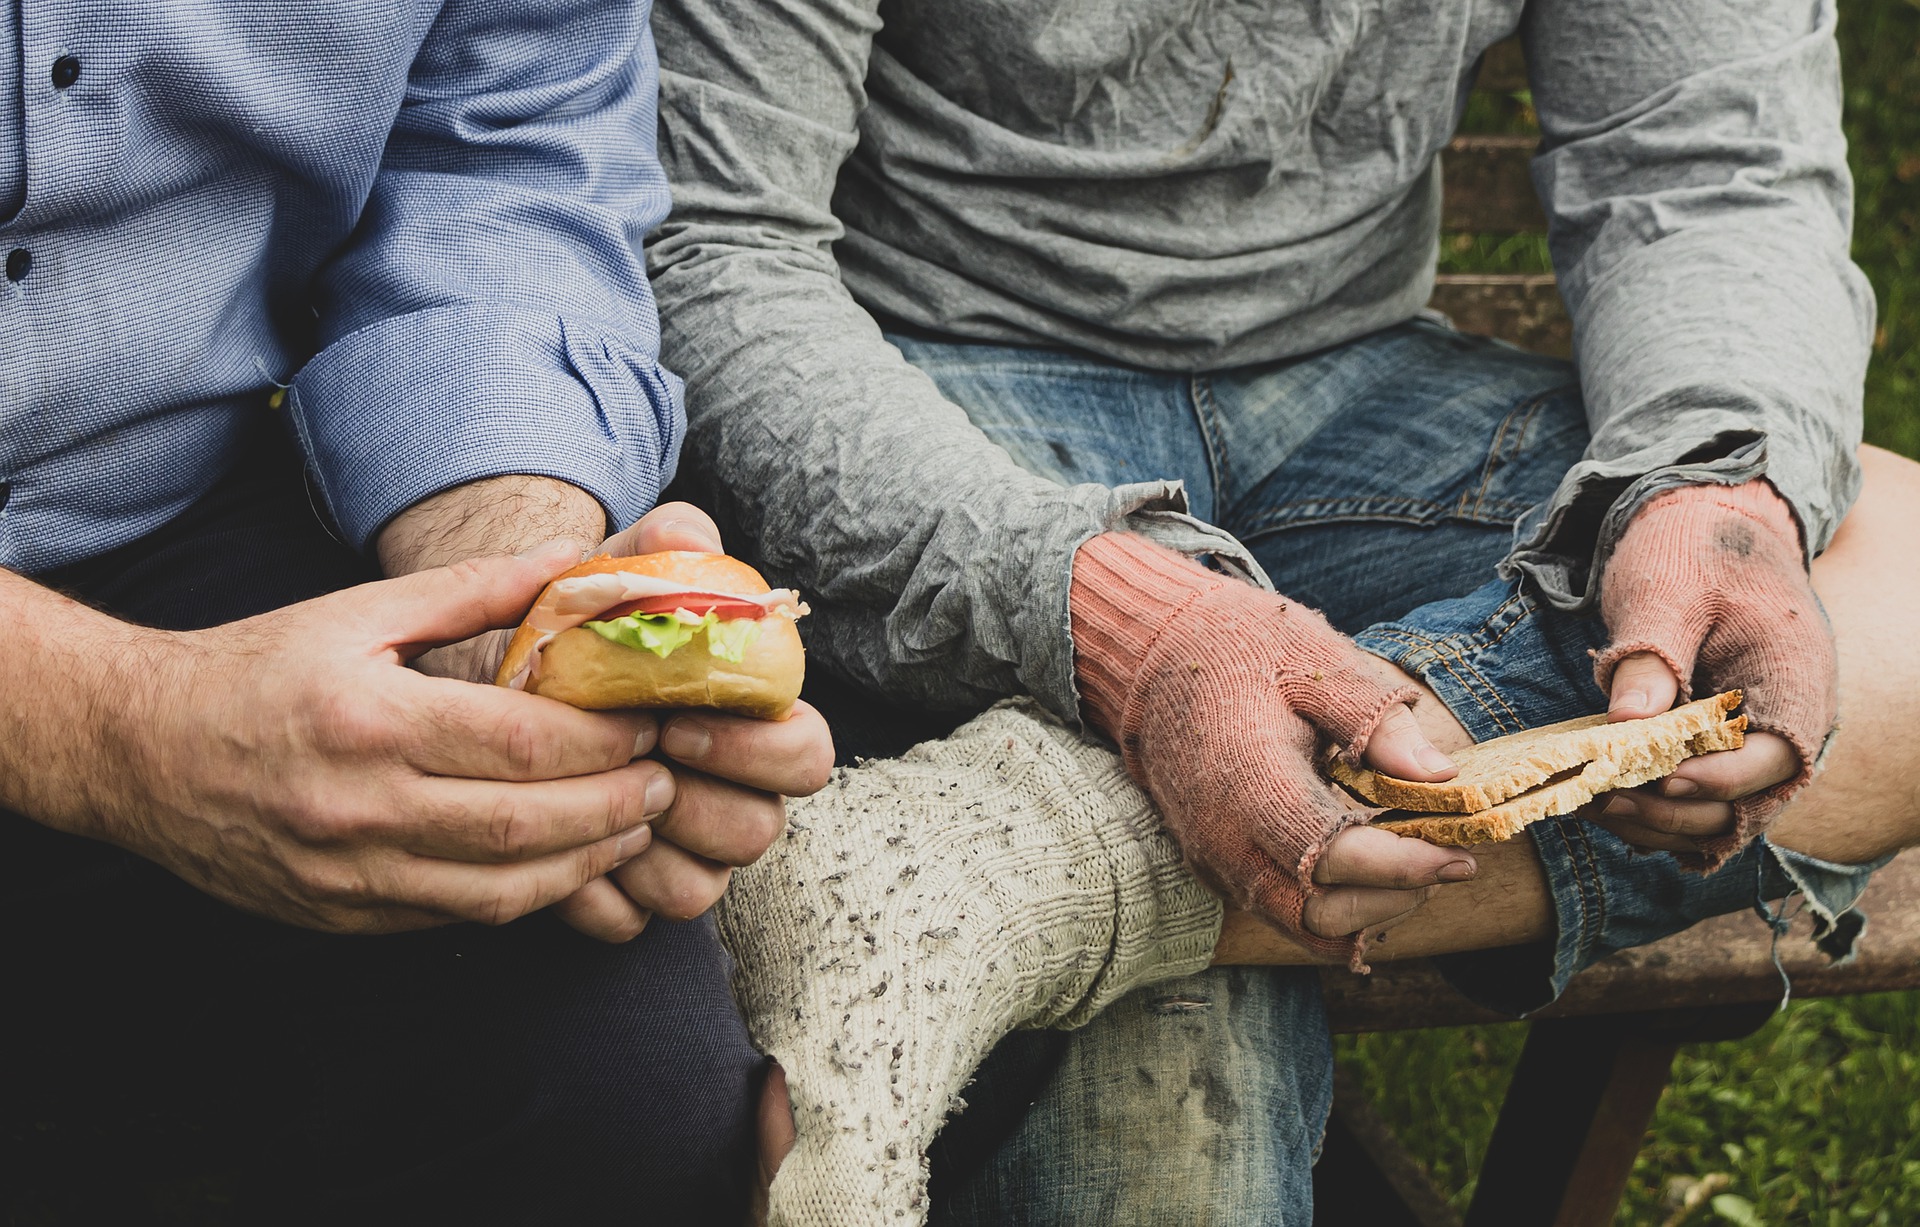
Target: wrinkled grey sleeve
column 938, row 569
column 1694, row 171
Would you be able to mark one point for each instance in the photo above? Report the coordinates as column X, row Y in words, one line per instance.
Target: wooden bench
column 1596, row 1061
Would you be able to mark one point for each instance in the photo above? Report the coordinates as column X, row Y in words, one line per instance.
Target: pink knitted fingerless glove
column 1710, row 579
column 1218, row 694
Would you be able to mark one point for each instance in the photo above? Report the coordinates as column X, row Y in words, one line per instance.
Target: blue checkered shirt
column 422, row 217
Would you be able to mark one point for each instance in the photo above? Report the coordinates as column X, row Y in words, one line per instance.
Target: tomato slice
column 699, row 604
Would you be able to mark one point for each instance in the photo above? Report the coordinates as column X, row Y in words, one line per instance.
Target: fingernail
column 691, row 527
column 644, row 740
column 659, row 794
column 1621, row 807
column 686, row 740
column 1430, row 758
column 1633, row 700
column 1456, row 871
column 552, row 551
column 1677, row 787
column 633, row 842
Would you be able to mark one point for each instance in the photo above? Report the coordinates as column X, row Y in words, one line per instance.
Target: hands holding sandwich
column 293, row 765
column 1220, row 696
column 726, row 773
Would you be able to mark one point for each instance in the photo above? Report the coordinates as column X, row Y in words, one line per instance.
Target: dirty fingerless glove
column 1218, row 694
column 1711, row 580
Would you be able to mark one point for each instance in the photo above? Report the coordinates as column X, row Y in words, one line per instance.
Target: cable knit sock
column 1712, row 580
column 1219, row 694
column 920, row 908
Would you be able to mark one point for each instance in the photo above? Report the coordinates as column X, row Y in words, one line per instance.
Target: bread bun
column 584, row 668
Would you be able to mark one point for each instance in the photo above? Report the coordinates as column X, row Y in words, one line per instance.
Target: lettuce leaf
column 664, row 634
column 730, row 640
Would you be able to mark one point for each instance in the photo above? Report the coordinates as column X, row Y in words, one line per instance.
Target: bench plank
column 1504, row 68
column 1523, row 309
column 1486, row 187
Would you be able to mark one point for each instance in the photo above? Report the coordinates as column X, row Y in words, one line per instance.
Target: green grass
column 1814, row 1119
column 1880, row 43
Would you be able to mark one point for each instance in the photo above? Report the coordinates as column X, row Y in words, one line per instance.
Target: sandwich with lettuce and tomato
column 674, row 629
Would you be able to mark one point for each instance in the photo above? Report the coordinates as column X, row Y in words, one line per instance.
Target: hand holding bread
column 678, row 628
column 1219, row 695
column 1709, row 586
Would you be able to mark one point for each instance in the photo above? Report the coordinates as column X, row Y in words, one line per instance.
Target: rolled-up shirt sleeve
column 491, row 314
column 1694, row 172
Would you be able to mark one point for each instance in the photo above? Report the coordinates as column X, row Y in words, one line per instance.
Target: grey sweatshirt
column 1197, row 184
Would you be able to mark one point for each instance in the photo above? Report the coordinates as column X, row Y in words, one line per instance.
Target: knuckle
column 626, row 927
column 469, row 571
column 506, row 904
column 326, row 822
column 816, row 769
column 686, row 897
column 334, row 883
column 349, row 722
column 762, row 825
column 524, row 748
column 507, row 831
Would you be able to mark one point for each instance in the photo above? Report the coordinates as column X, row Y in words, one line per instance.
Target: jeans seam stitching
column 1580, row 891
column 1530, row 409
column 1270, row 518
column 1599, row 896
column 1206, row 412
column 1443, row 657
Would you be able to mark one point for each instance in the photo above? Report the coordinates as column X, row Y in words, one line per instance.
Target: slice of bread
column 1504, row 768
column 1625, row 764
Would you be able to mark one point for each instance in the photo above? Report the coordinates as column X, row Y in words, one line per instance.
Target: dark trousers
column 523, row 1074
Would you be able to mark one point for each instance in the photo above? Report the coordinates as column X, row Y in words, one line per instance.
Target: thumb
column 443, row 605
column 1400, row 748
column 670, row 526
column 1643, row 685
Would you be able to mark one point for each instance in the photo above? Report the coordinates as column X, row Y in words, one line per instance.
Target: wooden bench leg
column 1577, row 1112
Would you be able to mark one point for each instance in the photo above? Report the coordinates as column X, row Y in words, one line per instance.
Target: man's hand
column 730, row 771
column 292, row 765
column 1220, row 697
column 1708, row 582
column 496, row 515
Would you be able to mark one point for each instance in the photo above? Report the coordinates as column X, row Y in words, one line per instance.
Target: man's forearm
column 55, row 712
column 500, row 515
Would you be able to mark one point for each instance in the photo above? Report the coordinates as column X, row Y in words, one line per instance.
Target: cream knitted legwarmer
column 920, row 908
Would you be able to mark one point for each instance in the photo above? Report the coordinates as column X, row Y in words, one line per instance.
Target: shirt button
column 66, row 70
column 19, row 264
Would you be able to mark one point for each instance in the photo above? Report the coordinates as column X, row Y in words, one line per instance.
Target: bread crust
column 584, row 668
column 1628, row 764
column 1503, row 768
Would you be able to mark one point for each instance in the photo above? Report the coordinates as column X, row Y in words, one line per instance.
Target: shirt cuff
column 1156, row 510
column 1562, row 545
column 417, row 404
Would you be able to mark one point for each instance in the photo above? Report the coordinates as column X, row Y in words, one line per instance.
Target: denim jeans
column 1378, row 481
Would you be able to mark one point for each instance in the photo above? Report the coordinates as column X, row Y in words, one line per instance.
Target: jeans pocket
column 1420, row 455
